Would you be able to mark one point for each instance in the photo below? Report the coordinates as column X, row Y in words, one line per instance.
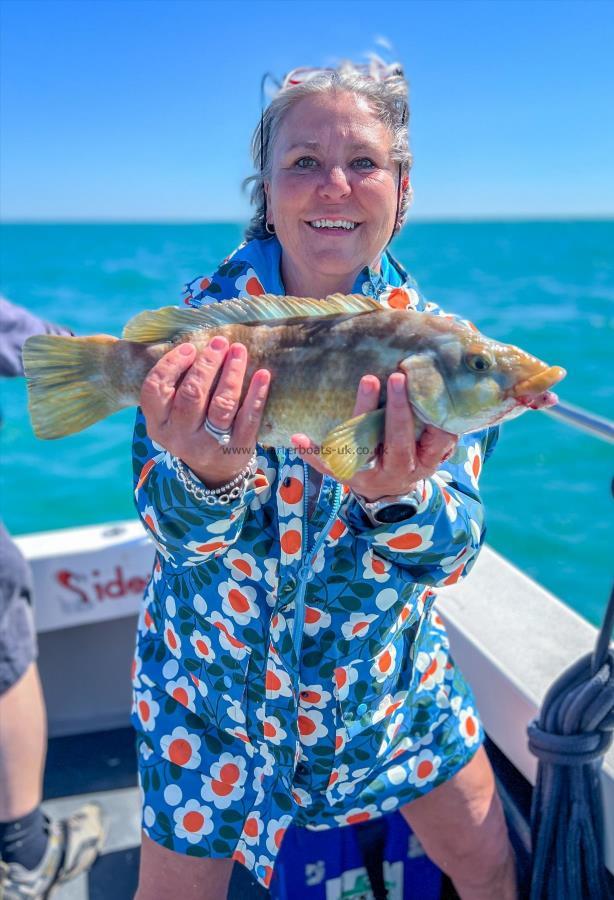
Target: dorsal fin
column 170, row 322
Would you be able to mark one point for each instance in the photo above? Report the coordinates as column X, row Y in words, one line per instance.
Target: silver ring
column 221, row 435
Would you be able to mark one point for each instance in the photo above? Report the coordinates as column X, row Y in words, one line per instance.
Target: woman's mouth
column 338, row 226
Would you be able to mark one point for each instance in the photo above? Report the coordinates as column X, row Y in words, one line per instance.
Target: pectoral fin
column 349, row 446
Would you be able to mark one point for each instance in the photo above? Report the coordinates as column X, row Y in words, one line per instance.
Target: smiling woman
column 297, row 686
column 331, row 177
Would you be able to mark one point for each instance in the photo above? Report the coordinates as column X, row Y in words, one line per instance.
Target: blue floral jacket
column 293, row 668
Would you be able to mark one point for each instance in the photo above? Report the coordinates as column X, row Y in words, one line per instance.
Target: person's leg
column 35, row 852
column 23, row 745
column 164, row 873
column 462, row 828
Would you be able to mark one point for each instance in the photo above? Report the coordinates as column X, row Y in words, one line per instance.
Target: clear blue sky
column 143, row 109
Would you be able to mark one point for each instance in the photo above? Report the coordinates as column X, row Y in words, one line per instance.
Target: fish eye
column 479, row 362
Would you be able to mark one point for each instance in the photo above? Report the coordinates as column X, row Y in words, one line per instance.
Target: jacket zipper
column 306, row 572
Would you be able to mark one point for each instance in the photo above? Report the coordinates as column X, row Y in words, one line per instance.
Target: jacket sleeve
column 440, row 543
column 17, row 324
column 187, row 531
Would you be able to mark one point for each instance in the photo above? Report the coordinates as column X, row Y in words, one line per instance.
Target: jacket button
column 227, row 681
column 302, row 770
column 361, row 709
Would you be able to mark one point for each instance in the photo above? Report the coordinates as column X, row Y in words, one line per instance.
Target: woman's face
column 332, row 196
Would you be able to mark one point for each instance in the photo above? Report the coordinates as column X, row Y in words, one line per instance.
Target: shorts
column 18, row 647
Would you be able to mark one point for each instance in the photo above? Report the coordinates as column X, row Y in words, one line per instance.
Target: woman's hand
column 403, row 461
column 178, row 394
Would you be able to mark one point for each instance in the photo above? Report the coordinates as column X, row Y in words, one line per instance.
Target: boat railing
column 598, row 426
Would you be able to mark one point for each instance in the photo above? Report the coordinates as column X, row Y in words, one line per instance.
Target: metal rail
column 598, row 426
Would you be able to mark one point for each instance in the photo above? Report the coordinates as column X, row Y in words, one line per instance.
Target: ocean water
column 546, row 286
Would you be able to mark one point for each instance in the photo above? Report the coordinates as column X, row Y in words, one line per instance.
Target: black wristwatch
column 389, row 511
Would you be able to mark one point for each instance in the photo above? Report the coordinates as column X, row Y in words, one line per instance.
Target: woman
column 289, row 665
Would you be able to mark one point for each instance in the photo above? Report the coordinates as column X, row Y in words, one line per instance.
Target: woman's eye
column 306, row 162
column 364, row 163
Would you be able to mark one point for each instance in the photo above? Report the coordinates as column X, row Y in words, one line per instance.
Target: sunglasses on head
column 376, row 70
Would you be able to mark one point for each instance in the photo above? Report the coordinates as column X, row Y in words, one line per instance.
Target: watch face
column 396, row 512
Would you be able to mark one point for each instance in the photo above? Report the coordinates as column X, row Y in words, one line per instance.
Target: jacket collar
column 264, row 256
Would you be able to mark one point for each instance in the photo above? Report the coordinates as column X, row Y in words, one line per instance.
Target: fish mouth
column 534, row 392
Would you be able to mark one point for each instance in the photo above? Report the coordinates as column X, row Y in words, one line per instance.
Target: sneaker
column 73, row 845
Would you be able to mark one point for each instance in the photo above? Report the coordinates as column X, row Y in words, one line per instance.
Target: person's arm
column 440, row 542
column 186, row 529
column 17, row 324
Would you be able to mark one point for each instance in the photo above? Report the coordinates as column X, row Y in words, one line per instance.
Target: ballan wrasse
column 317, row 351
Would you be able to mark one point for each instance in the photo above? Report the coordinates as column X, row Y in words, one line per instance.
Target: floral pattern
column 291, row 669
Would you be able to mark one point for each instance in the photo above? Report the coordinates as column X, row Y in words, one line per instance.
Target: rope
column 570, row 737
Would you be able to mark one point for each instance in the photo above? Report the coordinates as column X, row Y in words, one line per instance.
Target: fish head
column 462, row 381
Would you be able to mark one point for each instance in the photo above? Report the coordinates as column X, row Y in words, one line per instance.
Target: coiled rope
column 570, row 737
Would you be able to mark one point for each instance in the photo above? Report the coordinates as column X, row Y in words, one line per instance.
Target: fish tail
column 68, row 386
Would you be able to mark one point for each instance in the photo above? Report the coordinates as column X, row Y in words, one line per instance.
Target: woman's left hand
column 403, row 461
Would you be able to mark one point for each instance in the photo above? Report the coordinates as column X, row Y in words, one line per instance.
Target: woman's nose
column 335, row 184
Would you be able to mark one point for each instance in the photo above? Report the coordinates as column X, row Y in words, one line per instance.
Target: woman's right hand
column 175, row 409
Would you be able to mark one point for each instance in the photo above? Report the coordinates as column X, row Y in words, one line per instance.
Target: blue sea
column 547, row 286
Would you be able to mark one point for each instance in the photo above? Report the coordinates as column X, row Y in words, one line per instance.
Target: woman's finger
column 367, row 396
column 399, row 441
column 192, row 396
column 248, row 419
column 224, row 403
column 159, row 388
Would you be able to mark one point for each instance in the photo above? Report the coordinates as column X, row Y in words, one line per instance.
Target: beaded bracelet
column 222, row 495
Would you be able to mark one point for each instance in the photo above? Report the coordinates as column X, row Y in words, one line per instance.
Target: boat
column 88, row 585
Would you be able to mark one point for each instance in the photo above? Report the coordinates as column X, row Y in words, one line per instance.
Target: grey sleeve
column 16, row 325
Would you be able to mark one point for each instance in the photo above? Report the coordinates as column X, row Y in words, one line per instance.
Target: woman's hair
column 385, row 89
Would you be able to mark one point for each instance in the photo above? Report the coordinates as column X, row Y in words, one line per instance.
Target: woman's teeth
column 328, row 223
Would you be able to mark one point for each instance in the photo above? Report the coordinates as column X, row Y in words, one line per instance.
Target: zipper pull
column 306, row 572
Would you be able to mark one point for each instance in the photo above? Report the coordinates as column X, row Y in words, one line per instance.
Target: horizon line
column 419, row 220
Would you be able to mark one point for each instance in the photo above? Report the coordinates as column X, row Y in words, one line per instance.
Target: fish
column 458, row 379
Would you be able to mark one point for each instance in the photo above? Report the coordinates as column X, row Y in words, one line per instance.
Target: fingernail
column 218, row 343
column 186, row 349
column 236, row 351
column 397, row 385
column 367, row 387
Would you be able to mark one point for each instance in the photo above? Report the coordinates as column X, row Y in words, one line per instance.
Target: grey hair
column 387, row 95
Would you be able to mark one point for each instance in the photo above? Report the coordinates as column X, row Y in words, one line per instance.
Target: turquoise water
column 547, row 286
